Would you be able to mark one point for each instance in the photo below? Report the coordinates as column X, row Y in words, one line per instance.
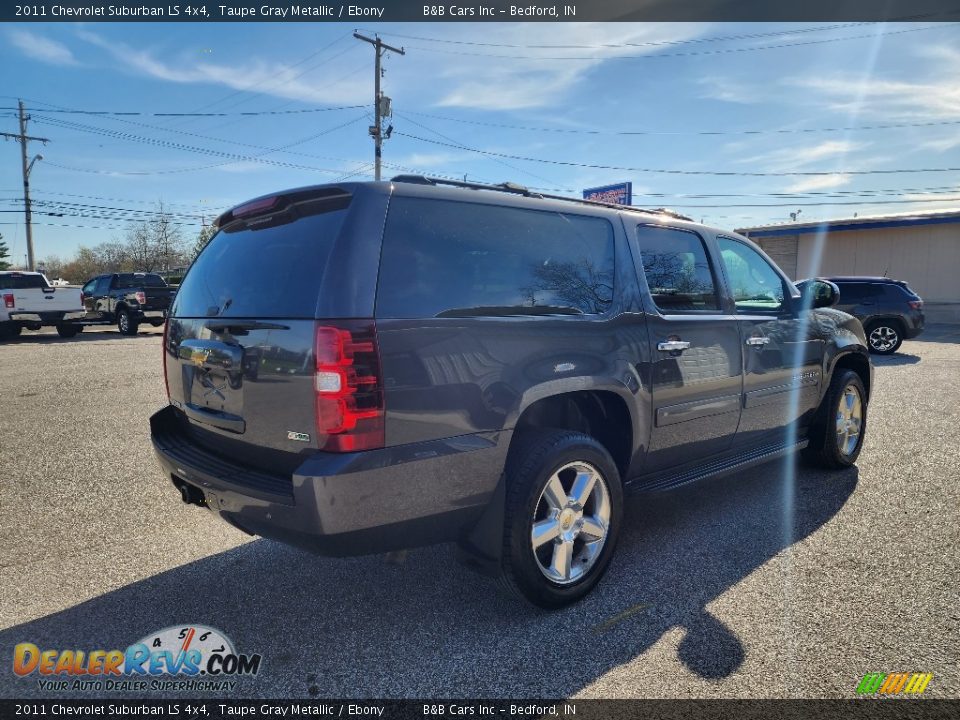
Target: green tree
column 4, row 254
column 206, row 232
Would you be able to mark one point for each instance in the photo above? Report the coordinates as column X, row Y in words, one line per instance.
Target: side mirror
column 817, row 293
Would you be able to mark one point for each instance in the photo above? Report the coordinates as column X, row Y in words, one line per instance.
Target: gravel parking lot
column 764, row 584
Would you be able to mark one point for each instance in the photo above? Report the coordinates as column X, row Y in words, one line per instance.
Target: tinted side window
column 756, row 286
column 852, row 293
column 103, row 285
column 88, row 288
column 444, row 258
column 677, row 270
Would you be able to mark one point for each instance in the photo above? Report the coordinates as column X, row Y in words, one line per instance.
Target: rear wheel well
column 601, row 414
column 859, row 364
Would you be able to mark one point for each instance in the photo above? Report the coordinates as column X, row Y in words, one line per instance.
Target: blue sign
column 619, row 194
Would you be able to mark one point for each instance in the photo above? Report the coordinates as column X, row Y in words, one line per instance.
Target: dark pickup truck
column 127, row 299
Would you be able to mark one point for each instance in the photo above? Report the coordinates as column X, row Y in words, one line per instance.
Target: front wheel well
column 601, row 414
column 859, row 364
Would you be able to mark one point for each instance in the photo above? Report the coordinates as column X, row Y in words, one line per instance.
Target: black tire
column 68, row 330
column 126, row 324
column 156, row 323
column 884, row 337
column 9, row 330
column 533, row 460
column 824, row 448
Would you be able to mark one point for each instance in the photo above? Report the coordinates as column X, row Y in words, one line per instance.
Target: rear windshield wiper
column 501, row 310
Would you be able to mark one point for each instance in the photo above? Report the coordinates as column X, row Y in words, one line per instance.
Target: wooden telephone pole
column 381, row 104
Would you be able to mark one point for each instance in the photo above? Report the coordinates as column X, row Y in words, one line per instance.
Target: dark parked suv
column 365, row 367
column 889, row 310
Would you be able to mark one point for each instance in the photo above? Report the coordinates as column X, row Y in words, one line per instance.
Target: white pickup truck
column 27, row 300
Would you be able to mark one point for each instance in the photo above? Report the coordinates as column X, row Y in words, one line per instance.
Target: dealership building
column 921, row 248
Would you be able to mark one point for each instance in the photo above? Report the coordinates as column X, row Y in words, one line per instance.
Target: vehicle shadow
column 939, row 333
column 86, row 336
column 895, row 359
column 424, row 626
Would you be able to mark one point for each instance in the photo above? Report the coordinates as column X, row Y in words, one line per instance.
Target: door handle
column 673, row 346
column 759, row 342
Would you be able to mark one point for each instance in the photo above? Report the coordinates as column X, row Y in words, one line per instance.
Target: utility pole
column 379, row 106
column 23, row 139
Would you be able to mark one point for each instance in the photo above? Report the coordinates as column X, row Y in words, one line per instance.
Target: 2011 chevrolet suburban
column 363, row 367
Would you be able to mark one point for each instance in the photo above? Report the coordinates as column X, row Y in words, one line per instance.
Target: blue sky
column 459, row 85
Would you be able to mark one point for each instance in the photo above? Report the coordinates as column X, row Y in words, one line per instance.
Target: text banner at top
column 487, row 11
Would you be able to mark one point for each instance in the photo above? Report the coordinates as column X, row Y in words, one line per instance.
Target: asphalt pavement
column 780, row 581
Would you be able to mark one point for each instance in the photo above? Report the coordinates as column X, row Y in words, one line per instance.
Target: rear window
column 138, row 280
column 895, row 291
column 450, row 259
column 21, row 282
column 263, row 271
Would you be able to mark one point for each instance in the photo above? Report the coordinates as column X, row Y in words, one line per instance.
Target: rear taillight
column 349, row 386
column 8, row 300
column 82, row 297
column 916, row 304
column 141, row 297
column 166, row 380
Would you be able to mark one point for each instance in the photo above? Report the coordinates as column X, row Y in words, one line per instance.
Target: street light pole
column 27, row 167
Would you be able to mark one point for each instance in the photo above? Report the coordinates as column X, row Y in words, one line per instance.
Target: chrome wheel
column 883, row 338
column 571, row 522
column 849, row 420
column 124, row 321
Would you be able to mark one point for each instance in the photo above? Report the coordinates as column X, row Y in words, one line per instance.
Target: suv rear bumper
column 914, row 324
column 343, row 503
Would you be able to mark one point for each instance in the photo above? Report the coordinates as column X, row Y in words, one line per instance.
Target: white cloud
column 941, row 144
column 720, row 88
column 242, row 166
column 268, row 77
column 822, row 182
column 786, row 159
column 933, row 97
column 538, row 79
column 41, row 48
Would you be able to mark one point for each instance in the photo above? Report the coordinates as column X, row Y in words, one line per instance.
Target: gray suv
column 363, row 367
column 888, row 309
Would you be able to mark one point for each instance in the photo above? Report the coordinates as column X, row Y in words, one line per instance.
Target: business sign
column 619, row 194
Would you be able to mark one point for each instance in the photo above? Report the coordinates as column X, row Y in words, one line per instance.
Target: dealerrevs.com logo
column 180, row 657
column 894, row 683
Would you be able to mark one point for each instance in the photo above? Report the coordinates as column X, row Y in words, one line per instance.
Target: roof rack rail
column 527, row 192
column 502, row 187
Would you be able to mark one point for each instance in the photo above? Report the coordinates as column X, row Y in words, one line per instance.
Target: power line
column 498, row 160
column 650, row 43
column 671, row 171
column 656, row 56
column 821, row 204
column 260, row 83
column 233, row 157
column 132, row 113
column 111, row 199
column 586, row 131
